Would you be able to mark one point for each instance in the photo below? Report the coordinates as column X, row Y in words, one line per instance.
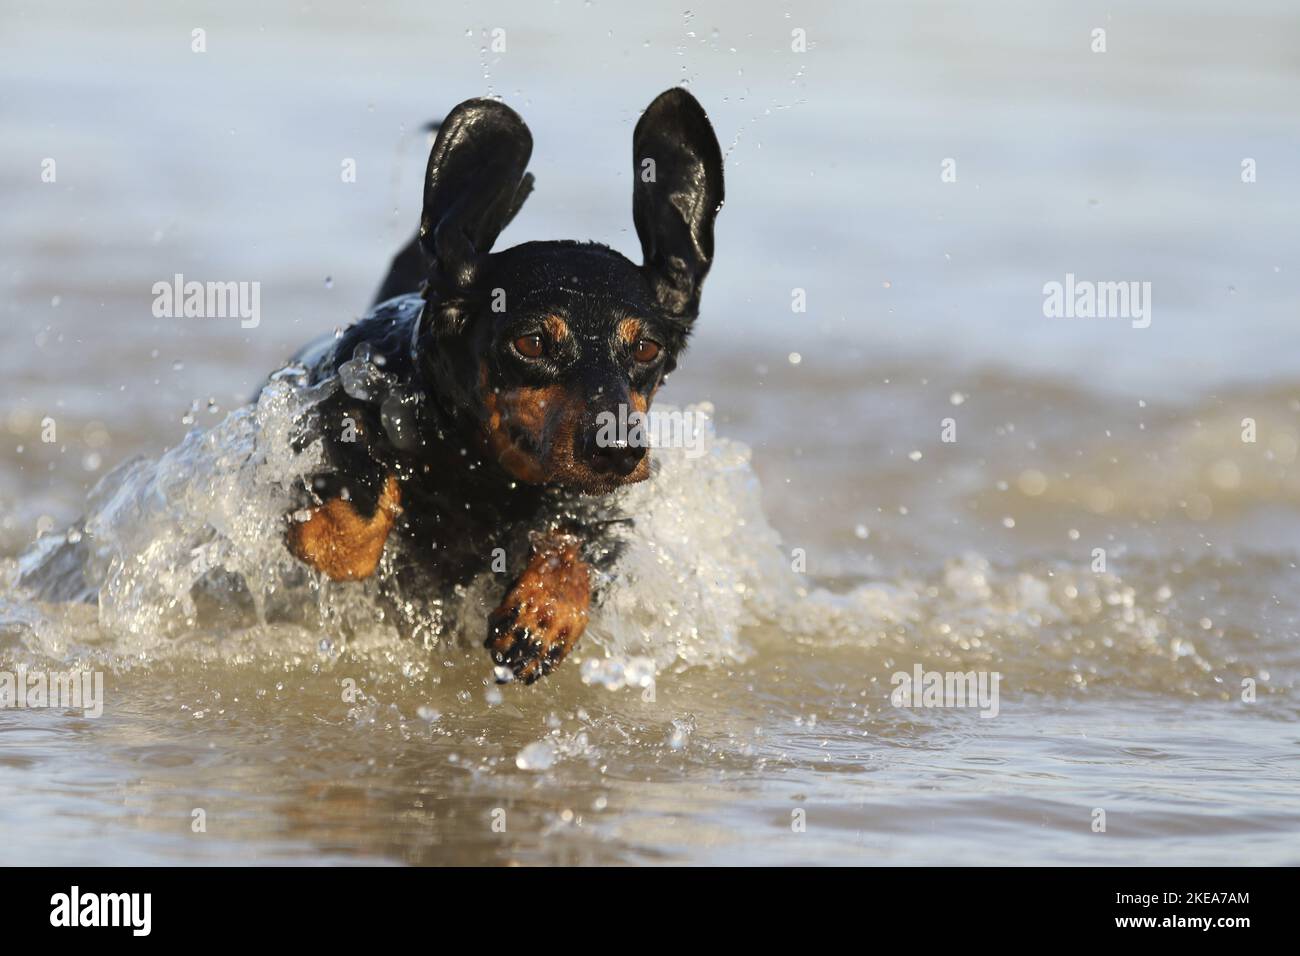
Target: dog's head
column 548, row 343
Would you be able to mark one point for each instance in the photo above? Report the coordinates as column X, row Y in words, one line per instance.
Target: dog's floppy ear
column 474, row 185
column 676, row 194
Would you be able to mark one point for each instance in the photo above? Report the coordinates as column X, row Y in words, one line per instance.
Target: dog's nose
column 611, row 456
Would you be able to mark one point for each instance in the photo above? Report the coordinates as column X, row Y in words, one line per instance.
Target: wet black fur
column 433, row 326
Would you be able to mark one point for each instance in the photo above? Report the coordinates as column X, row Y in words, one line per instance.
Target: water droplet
column 539, row 755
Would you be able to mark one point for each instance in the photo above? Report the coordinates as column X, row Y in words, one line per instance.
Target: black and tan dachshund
column 512, row 357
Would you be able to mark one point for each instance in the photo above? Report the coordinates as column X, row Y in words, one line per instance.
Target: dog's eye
column 529, row 346
column 646, row 350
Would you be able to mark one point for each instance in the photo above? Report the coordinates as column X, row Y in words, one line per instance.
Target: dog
column 506, row 362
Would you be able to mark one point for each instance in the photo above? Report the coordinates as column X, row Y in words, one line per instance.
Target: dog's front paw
column 340, row 542
column 544, row 612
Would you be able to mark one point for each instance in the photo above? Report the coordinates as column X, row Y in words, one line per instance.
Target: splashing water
column 159, row 536
column 184, row 555
column 191, row 545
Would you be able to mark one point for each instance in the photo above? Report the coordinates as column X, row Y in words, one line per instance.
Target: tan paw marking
column 337, row 541
column 544, row 612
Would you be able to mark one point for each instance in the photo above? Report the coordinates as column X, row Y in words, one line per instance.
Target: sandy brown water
column 1121, row 690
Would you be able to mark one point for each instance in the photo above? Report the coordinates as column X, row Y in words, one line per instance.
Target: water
column 731, row 702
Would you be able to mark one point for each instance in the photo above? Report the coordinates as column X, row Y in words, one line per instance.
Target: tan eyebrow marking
column 629, row 331
column 556, row 327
